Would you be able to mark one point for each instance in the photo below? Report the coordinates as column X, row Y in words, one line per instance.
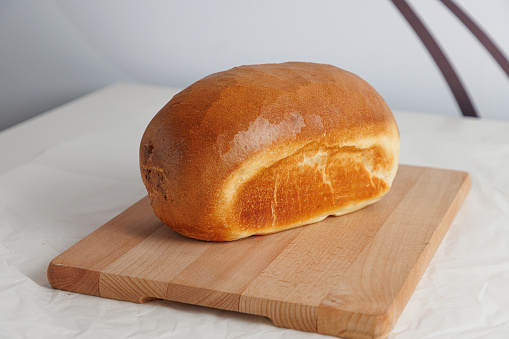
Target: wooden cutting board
column 348, row 276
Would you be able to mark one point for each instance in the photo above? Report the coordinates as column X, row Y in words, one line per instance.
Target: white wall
column 54, row 51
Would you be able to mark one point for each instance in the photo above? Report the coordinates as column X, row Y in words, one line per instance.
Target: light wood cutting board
column 348, row 276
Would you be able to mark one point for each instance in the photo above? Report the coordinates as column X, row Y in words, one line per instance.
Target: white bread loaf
column 264, row 148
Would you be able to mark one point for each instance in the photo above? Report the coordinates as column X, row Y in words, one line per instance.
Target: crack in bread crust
column 320, row 181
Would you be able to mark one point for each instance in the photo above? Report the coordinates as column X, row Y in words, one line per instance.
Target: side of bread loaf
column 263, row 148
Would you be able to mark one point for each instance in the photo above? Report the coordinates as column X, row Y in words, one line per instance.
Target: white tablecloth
column 65, row 173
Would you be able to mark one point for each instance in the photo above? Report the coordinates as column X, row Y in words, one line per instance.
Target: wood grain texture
column 348, row 276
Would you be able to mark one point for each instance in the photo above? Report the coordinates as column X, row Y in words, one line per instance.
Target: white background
column 54, row 51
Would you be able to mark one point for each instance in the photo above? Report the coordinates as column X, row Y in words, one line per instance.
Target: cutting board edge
column 77, row 280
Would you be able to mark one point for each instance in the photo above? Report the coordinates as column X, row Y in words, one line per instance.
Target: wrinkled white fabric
column 81, row 169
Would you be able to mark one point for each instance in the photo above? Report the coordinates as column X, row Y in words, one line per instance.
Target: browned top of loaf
column 293, row 99
column 228, row 102
column 206, row 131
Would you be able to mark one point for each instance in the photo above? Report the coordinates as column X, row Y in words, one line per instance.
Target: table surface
column 65, row 173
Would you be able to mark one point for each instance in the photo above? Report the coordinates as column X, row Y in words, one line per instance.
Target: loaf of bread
column 264, row 148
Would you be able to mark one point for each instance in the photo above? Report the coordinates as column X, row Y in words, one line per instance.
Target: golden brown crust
column 262, row 148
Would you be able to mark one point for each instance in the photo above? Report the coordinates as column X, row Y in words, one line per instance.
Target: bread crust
column 263, row 148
